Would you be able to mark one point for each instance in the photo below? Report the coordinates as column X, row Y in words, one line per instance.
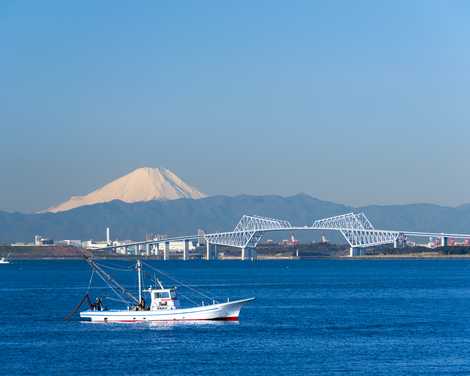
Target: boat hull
column 220, row 311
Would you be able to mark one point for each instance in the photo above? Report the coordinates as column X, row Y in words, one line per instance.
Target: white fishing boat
column 164, row 304
column 4, row 260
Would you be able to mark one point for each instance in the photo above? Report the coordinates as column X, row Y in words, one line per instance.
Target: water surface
column 322, row 317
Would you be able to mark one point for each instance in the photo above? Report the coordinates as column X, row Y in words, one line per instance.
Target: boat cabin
column 163, row 299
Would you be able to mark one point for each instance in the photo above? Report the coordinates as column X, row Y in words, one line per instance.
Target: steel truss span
column 356, row 228
column 248, row 232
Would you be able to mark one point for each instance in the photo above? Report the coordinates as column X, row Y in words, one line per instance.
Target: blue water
column 322, row 317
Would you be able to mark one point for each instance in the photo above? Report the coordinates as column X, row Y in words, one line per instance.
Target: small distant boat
column 4, row 260
column 164, row 304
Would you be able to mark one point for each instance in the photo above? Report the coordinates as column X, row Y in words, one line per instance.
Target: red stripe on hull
column 233, row 318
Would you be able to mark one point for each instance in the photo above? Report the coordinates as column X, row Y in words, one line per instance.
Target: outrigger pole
column 114, row 285
column 111, row 282
column 86, row 298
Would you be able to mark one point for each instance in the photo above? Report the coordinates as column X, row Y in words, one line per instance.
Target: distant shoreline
column 334, row 253
column 259, row 258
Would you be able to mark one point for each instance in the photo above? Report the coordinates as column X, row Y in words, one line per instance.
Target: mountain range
column 155, row 200
column 217, row 213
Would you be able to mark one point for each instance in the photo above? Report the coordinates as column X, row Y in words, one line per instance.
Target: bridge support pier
column 186, row 249
column 253, row 255
column 444, row 241
column 208, row 250
column 166, row 251
column 248, row 253
column 211, row 251
column 355, row 251
column 147, row 249
column 156, row 249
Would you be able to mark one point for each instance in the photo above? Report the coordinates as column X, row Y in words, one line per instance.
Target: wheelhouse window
column 161, row 295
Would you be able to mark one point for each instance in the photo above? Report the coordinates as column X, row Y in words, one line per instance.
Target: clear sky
column 352, row 101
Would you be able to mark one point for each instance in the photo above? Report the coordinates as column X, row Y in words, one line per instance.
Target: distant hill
column 217, row 213
column 143, row 184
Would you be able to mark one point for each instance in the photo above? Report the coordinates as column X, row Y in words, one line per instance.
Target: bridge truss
column 356, row 228
column 248, row 232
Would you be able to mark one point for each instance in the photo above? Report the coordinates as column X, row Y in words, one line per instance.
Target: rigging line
column 114, row 268
column 91, row 279
column 117, row 289
column 115, row 300
column 119, row 295
column 179, row 282
column 113, row 284
column 86, row 298
column 113, row 289
column 148, row 275
column 189, row 299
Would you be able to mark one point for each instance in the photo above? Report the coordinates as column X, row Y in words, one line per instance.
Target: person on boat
column 142, row 304
column 97, row 305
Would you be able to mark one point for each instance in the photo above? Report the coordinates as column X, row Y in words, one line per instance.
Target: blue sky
column 352, row 101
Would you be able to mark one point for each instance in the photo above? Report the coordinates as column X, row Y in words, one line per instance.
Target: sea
column 310, row 317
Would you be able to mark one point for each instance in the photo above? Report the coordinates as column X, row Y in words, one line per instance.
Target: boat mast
column 139, row 278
